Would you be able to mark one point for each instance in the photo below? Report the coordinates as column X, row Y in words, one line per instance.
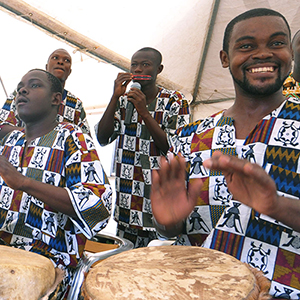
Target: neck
column 150, row 92
column 34, row 130
column 63, row 83
column 248, row 111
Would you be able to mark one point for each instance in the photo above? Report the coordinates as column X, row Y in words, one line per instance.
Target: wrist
column 168, row 231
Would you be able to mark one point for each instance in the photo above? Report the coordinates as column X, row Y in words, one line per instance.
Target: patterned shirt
column 291, row 88
column 137, row 155
column 222, row 223
column 70, row 110
column 64, row 157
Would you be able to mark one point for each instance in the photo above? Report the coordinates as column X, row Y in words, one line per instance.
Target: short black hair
column 157, row 54
column 256, row 12
column 56, row 85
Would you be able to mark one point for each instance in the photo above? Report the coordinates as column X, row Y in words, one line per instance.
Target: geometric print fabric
column 236, row 229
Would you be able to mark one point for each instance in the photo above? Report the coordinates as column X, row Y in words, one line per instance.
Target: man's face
column 296, row 49
column 59, row 64
column 34, row 96
column 144, row 63
column 259, row 55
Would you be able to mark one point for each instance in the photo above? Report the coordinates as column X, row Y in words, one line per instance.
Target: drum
column 97, row 249
column 174, row 272
column 24, row 274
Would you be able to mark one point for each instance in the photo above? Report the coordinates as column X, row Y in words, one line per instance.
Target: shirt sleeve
column 8, row 114
column 178, row 114
column 87, row 184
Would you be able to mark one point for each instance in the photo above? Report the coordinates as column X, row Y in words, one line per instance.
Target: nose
column 22, row 91
column 138, row 69
column 263, row 53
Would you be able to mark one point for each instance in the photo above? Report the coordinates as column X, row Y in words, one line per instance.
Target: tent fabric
column 188, row 33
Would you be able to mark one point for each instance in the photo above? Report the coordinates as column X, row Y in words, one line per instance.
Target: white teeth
column 261, row 70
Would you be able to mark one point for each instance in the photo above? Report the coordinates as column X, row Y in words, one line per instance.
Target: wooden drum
column 24, row 274
column 174, row 272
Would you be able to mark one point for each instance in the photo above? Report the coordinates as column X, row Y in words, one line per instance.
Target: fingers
column 194, row 191
column 225, row 163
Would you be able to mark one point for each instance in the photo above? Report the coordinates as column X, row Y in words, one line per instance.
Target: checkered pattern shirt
column 67, row 158
column 137, row 155
column 222, row 223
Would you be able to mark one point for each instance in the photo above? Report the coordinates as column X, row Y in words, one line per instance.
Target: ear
column 56, row 99
column 224, row 59
column 159, row 69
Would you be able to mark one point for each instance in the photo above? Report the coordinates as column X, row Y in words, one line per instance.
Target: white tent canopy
column 188, row 33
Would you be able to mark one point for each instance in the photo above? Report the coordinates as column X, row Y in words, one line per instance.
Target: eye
column 54, row 57
column 246, row 46
column 35, row 85
column 133, row 64
column 67, row 60
column 278, row 43
column 146, row 64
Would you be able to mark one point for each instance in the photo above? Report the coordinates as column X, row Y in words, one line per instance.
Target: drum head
column 170, row 272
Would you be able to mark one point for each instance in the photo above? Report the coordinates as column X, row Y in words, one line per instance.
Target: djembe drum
column 174, row 272
column 25, row 275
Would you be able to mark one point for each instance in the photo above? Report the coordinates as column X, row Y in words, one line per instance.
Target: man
column 291, row 87
column 158, row 113
column 50, row 203
column 70, row 110
column 252, row 151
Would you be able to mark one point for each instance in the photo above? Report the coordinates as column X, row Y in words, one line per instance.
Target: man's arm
column 6, row 128
column 250, row 184
column 106, row 124
column 56, row 197
column 171, row 201
column 9, row 121
column 138, row 98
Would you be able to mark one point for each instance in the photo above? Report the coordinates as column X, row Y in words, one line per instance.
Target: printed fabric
column 291, row 88
column 65, row 157
column 70, row 110
column 137, row 155
column 222, row 223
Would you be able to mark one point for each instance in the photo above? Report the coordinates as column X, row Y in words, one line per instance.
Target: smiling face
column 259, row 55
column 59, row 64
column 35, row 99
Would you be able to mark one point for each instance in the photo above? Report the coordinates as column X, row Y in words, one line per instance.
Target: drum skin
column 174, row 272
column 24, row 274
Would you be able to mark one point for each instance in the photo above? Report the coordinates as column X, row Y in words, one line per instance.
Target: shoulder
column 70, row 96
column 165, row 93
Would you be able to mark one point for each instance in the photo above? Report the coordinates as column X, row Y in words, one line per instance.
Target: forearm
column 6, row 128
column 158, row 135
column 56, row 197
column 287, row 211
column 106, row 124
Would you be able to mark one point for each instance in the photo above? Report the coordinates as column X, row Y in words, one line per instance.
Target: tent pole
column 210, row 29
column 80, row 42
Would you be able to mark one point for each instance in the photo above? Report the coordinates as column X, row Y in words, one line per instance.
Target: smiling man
column 237, row 188
column 50, row 203
column 70, row 110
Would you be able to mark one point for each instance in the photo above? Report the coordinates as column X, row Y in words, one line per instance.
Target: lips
column 21, row 100
column 59, row 69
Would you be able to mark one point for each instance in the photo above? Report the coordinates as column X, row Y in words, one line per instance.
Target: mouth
column 21, row 100
column 59, row 69
column 257, row 70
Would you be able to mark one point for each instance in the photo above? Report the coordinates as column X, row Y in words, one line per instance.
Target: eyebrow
column 250, row 37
